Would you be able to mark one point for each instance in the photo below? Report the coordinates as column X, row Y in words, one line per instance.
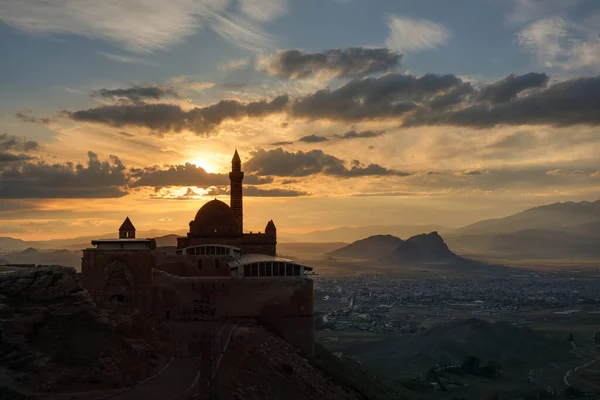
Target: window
column 216, row 264
column 254, row 269
column 246, row 270
column 289, row 270
column 296, row 270
column 269, row 269
column 261, row 269
column 200, row 264
column 275, row 269
column 281, row 269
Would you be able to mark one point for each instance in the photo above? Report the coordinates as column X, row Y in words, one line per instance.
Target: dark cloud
column 253, row 191
column 97, row 179
column 347, row 63
column 184, row 175
column 427, row 100
column 567, row 103
column 12, row 142
column 283, row 143
column 279, row 162
column 360, row 135
column 313, row 139
column 509, row 87
column 136, row 94
column 10, row 157
column 391, row 95
column 169, row 117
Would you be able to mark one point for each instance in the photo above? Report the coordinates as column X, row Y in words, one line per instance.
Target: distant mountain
column 351, row 234
column 373, row 247
column 167, row 240
column 570, row 216
column 567, row 230
column 422, row 248
column 76, row 243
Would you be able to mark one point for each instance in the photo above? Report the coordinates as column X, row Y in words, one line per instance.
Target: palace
column 238, row 275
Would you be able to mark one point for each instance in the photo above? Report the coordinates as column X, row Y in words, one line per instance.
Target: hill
column 515, row 348
column 55, row 340
column 350, row 234
column 373, row 247
column 259, row 365
column 422, row 248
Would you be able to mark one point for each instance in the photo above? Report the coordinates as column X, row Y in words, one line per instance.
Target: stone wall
column 283, row 305
column 133, row 271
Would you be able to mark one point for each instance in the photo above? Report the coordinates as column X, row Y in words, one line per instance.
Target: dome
column 214, row 210
column 214, row 217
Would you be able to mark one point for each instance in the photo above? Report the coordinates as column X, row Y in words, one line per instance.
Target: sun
column 204, row 164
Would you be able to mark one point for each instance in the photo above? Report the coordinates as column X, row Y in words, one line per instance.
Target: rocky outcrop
column 54, row 339
column 371, row 248
column 423, row 248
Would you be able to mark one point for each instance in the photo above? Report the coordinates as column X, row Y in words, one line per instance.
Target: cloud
column 136, row 94
column 12, row 142
column 567, row 103
column 561, row 43
column 235, row 65
column 184, row 175
column 144, row 26
column 279, row 162
column 430, row 99
column 408, row 34
column 10, row 157
column 359, row 135
column 282, row 143
column 509, row 87
column 31, row 119
column 184, row 83
column 172, row 118
column 348, row 63
column 523, row 11
column 392, row 95
column 97, row 179
column 313, row 139
column 123, row 58
column 253, row 191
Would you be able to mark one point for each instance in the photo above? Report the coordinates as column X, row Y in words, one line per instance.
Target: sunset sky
column 345, row 112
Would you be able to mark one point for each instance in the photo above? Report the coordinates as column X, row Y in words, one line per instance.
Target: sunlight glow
column 204, row 164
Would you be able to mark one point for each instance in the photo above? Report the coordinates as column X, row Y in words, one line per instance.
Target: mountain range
column 558, row 230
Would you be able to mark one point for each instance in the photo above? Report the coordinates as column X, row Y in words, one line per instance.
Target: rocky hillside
column 373, row 247
column 422, row 248
column 259, row 365
column 53, row 339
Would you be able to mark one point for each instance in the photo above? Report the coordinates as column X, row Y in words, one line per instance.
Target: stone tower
column 236, row 176
column 271, row 230
column 127, row 230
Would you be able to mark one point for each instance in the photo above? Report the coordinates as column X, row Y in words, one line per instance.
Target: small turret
column 271, row 230
column 127, row 230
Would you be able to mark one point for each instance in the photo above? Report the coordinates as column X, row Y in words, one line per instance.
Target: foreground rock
column 53, row 339
column 259, row 365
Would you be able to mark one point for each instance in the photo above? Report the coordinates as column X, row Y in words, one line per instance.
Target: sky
column 344, row 112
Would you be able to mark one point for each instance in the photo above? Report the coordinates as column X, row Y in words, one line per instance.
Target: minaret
column 236, row 176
